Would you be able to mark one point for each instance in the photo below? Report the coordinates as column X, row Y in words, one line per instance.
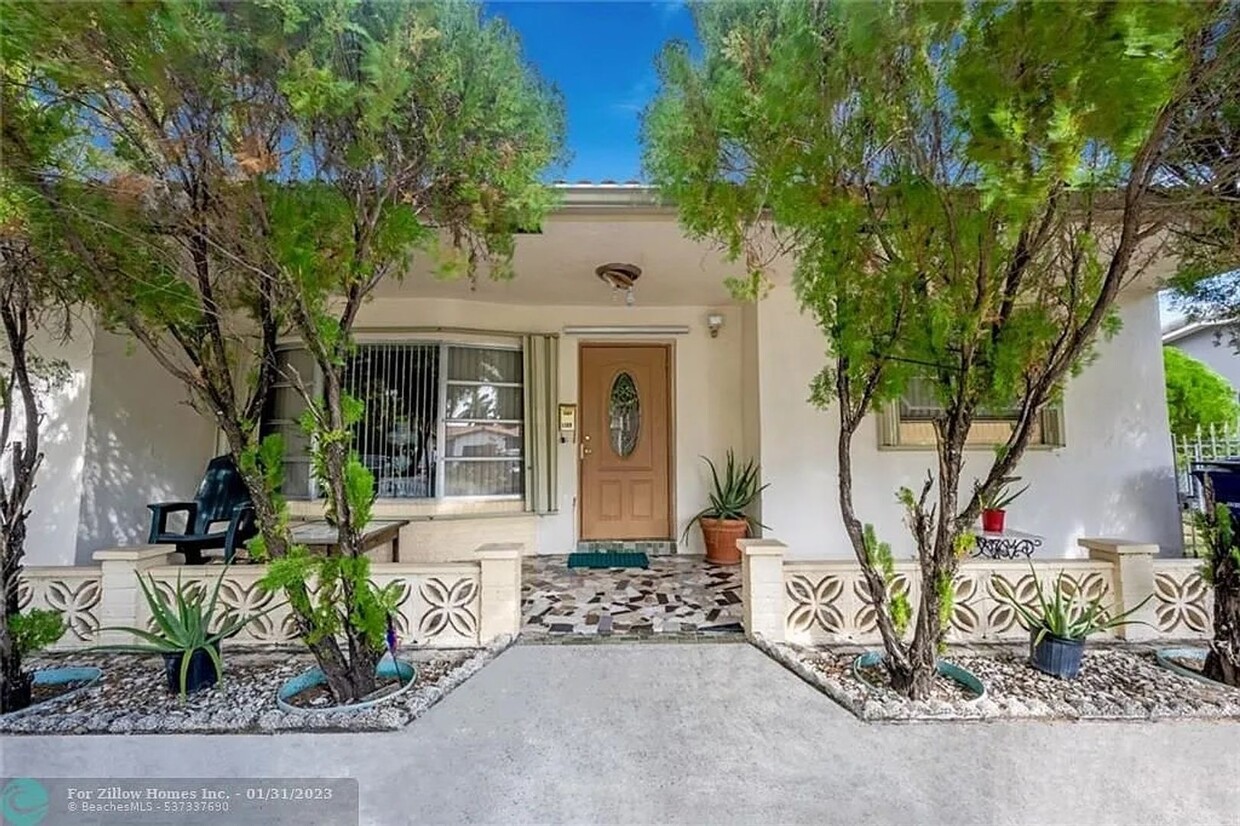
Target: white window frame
column 441, row 435
column 889, row 420
column 442, row 343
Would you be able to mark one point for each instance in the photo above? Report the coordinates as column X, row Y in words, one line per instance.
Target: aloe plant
column 732, row 493
column 184, row 624
column 1003, row 495
column 1062, row 614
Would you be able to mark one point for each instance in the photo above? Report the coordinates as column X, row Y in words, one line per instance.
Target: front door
column 625, row 441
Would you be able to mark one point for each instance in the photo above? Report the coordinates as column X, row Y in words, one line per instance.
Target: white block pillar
column 121, row 599
column 762, row 587
column 499, row 604
column 1134, row 582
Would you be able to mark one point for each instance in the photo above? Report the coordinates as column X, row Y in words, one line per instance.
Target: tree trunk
column 1223, row 661
column 14, row 682
column 359, row 668
column 936, row 553
column 342, row 680
column 24, row 460
column 876, row 585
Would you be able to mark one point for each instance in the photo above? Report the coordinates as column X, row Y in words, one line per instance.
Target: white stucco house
column 1206, row 342
column 563, row 407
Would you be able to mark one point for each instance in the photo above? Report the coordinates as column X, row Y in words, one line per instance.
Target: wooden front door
column 625, row 446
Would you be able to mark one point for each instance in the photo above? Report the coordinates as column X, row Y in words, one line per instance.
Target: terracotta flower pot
column 720, row 536
column 992, row 521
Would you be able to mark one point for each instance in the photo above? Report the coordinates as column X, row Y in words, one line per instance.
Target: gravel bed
column 1115, row 683
column 132, row 697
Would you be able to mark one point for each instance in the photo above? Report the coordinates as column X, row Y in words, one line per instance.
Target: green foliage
column 909, row 155
column 1000, row 497
column 943, row 177
column 188, row 622
column 35, row 629
column 1197, row 397
column 732, row 493
column 1064, row 613
column 1222, row 541
column 879, row 555
column 1200, row 171
column 221, row 173
column 414, row 123
column 343, row 596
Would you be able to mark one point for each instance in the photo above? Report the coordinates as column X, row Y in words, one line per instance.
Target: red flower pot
column 992, row 521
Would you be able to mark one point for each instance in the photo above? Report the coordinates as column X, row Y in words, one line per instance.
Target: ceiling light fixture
column 621, row 278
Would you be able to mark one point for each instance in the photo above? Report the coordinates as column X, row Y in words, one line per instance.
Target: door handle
column 585, row 451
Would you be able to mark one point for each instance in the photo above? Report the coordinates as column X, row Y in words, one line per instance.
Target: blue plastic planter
column 87, row 674
column 387, row 667
column 1058, row 656
column 200, row 674
column 947, row 669
column 1164, row 658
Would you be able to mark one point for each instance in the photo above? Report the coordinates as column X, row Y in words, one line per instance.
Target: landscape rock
column 132, row 697
column 1115, row 683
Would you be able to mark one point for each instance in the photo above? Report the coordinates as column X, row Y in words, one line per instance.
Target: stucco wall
column 1114, row 477
column 1217, row 354
column 51, row 537
column 143, row 444
column 707, row 399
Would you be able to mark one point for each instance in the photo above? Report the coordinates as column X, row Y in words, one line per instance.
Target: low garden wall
column 826, row 601
column 442, row 604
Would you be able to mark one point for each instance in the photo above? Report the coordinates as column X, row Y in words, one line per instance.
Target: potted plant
column 32, row 631
column 187, row 633
column 1059, row 624
column 726, row 519
column 994, row 505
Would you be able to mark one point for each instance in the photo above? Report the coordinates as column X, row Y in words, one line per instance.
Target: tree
column 35, row 295
column 1197, row 397
column 445, row 134
column 964, row 192
column 1221, row 532
column 245, row 170
column 150, row 201
column 1202, row 177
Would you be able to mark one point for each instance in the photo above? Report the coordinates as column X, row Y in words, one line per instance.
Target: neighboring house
column 1206, row 342
column 465, row 385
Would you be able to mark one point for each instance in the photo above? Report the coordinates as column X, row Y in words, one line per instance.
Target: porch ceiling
column 599, row 224
column 557, row 266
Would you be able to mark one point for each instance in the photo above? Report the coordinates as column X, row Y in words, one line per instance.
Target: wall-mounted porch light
column 714, row 322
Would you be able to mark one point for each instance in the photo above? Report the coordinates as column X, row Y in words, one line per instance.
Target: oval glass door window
column 625, row 413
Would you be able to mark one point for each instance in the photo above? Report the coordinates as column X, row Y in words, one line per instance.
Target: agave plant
column 184, row 624
column 732, row 493
column 1064, row 614
column 1002, row 496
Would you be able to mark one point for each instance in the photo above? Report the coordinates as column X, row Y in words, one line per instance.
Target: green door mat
column 608, row 559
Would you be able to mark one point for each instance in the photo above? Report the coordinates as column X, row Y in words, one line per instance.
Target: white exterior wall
column 707, row 417
column 51, row 531
column 144, row 443
column 1114, row 477
column 1216, row 354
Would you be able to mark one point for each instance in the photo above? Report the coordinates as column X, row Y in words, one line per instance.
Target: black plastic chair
column 1224, row 475
column 222, row 497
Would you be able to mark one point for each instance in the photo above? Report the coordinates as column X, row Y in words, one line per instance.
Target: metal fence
column 1215, row 442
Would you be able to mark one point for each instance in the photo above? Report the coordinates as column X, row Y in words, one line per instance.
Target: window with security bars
column 440, row 420
column 909, row 422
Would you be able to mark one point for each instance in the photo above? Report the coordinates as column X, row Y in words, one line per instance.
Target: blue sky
column 601, row 56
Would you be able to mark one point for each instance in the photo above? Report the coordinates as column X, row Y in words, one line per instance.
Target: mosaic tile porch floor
column 676, row 595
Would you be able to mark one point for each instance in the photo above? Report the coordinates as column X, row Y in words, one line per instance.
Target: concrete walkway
column 703, row 733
